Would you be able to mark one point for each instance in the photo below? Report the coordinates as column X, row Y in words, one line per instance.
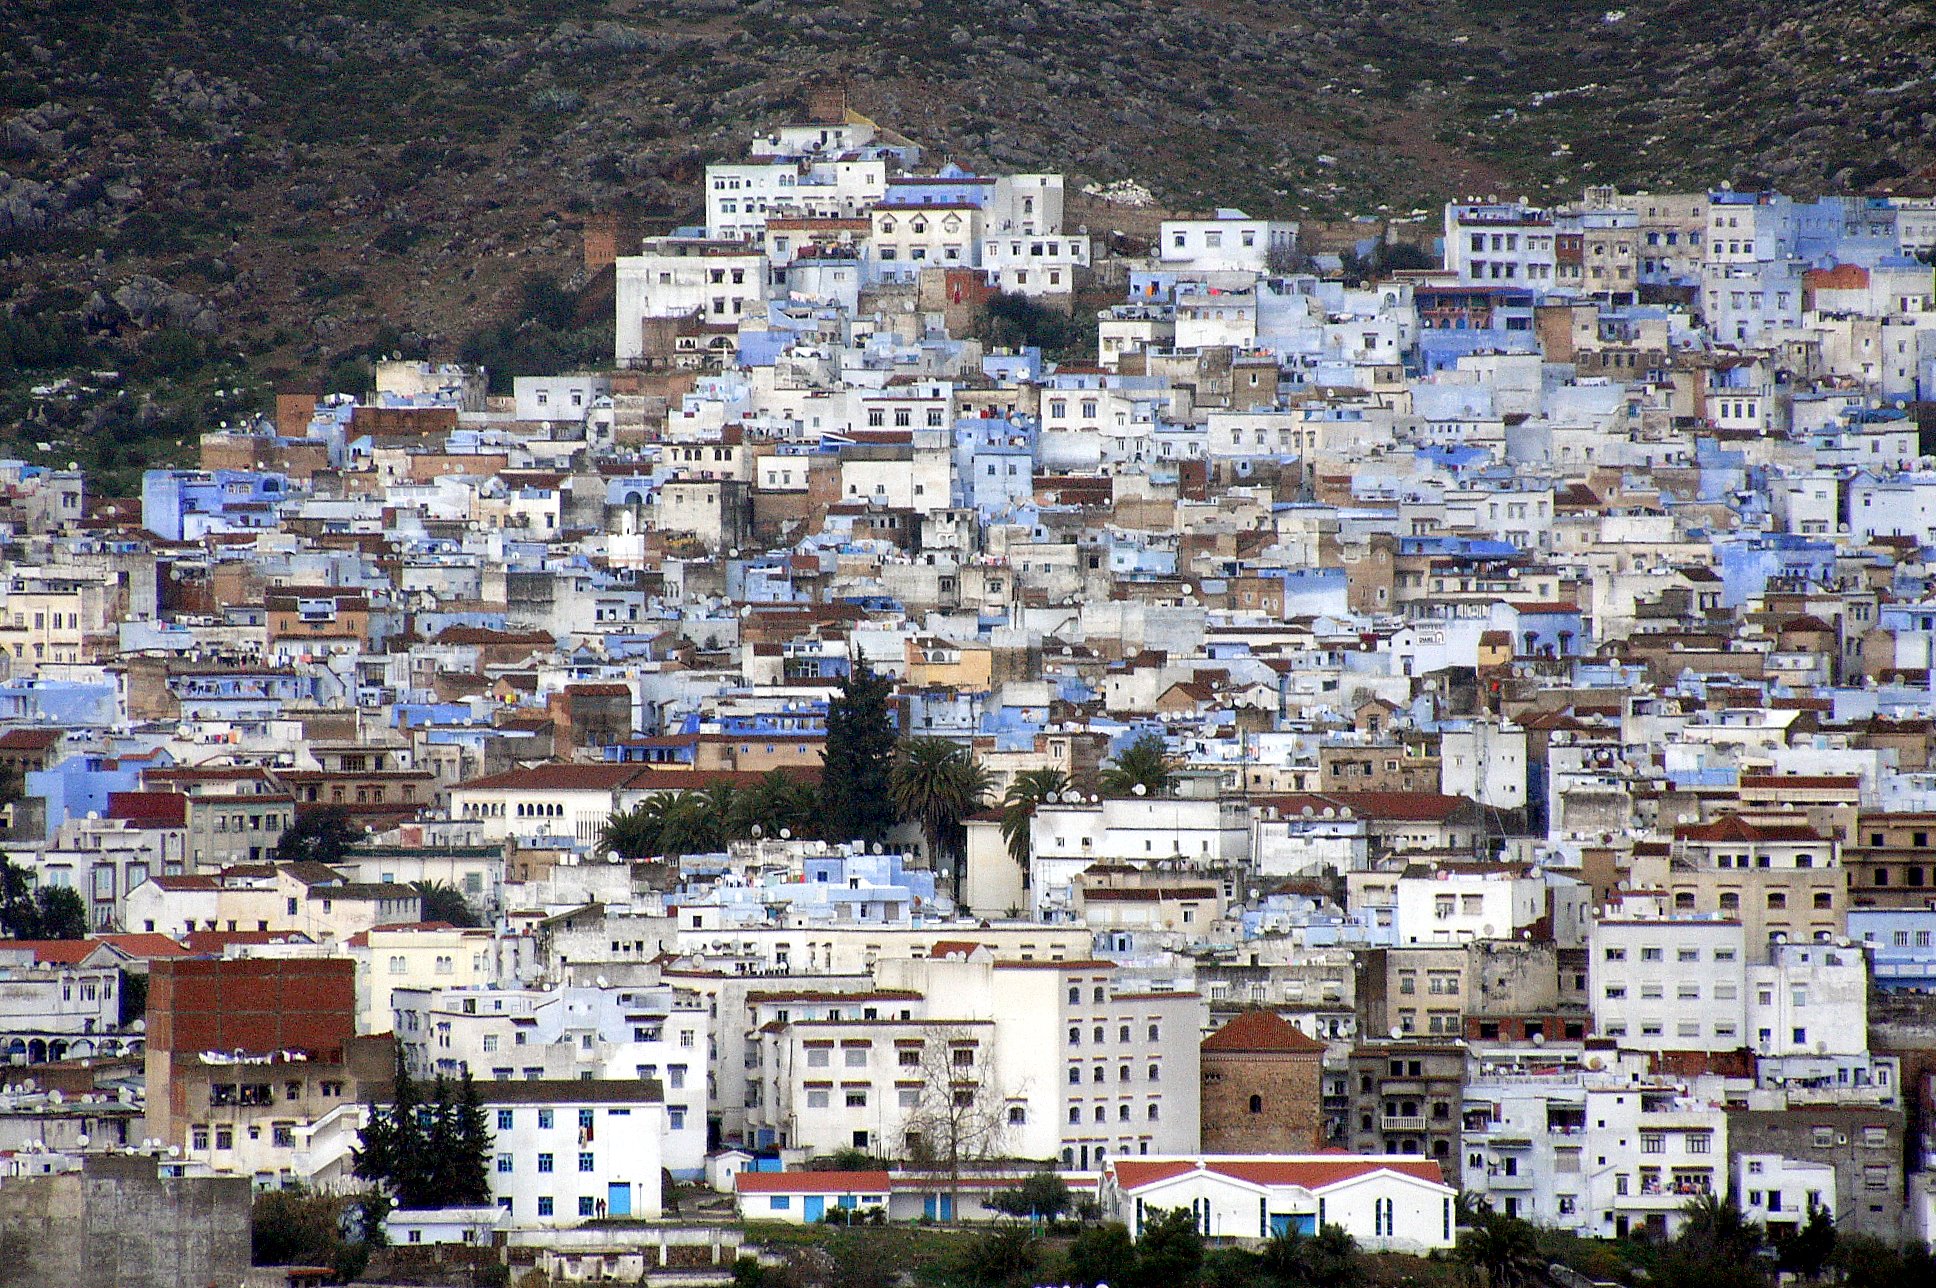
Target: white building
column 1386, row 1204
column 566, row 1152
column 562, row 398
column 1774, row 1191
column 635, row 1033
column 1230, row 242
column 1676, row 984
column 1485, row 761
column 903, row 240
column 1085, row 1061
column 1450, row 904
column 718, row 283
column 1504, row 243
column 1036, row 265
column 1809, row 999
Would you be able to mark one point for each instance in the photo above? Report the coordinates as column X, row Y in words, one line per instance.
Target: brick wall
column 1289, row 1117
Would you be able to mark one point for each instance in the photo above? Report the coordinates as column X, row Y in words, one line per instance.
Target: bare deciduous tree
column 958, row 1118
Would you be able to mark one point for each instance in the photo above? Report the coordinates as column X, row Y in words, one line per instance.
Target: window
column 544, row 1120
column 544, row 1205
column 586, row 1164
column 504, row 1164
column 857, row 1098
column 504, row 1120
column 544, row 1162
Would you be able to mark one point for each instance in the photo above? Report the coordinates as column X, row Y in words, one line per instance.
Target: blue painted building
column 1901, row 943
column 187, row 505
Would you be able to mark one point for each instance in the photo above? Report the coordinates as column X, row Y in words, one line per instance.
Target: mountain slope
column 210, row 197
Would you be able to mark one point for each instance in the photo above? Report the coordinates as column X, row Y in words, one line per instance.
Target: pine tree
column 856, row 800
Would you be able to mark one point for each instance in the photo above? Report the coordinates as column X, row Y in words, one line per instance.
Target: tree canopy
column 323, row 835
column 428, row 1153
column 856, row 797
column 1145, row 764
column 936, row 784
column 28, row 911
column 1031, row 788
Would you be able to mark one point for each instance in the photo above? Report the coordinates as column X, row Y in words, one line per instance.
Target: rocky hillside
column 208, row 199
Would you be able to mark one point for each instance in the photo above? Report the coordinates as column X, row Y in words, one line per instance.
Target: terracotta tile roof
column 813, row 1183
column 1262, row 1031
column 1735, row 828
column 1410, row 807
column 149, row 809
column 1310, row 1172
column 561, row 776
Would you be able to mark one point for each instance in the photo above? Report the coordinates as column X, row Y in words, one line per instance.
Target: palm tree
column 936, row 784
column 779, row 803
column 1503, row 1249
column 1328, row 1257
column 686, row 823
column 1144, row 763
column 629, row 834
column 1030, row 788
column 1715, row 1223
column 725, row 814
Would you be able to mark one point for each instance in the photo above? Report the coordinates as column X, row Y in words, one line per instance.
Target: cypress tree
column 470, row 1164
column 440, row 1146
column 856, row 800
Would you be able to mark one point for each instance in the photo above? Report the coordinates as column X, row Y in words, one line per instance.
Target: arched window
column 1257, row 1104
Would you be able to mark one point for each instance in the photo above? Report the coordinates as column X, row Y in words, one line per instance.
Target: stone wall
column 116, row 1222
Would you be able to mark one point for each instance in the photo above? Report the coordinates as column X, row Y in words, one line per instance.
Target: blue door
column 1280, row 1224
column 1286, row 1223
column 816, row 1206
column 618, row 1198
column 938, row 1207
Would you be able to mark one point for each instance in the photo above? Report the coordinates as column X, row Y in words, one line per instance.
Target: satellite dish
column 1396, row 1033
column 1539, row 1039
column 81, row 1140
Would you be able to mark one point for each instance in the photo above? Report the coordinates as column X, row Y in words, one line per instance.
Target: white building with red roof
column 1388, row 1204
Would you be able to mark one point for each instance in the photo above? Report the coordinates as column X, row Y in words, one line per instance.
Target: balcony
column 1401, row 1122
column 1501, row 1180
